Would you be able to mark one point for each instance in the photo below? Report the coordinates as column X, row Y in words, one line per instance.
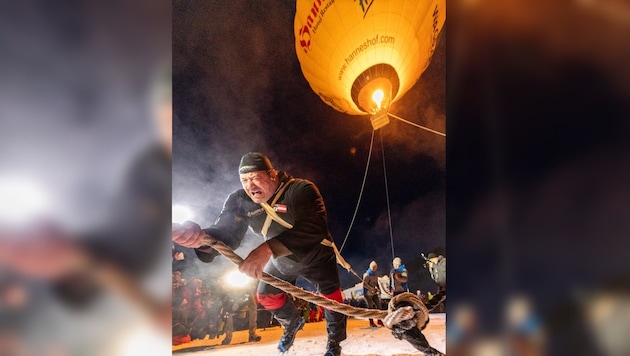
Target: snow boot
column 291, row 320
column 333, row 349
column 336, row 328
column 335, row 325
column 286, row 341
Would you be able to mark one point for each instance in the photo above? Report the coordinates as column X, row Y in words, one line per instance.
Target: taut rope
column 406, row 315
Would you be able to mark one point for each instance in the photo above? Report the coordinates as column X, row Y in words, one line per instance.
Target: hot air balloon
column 361, row 56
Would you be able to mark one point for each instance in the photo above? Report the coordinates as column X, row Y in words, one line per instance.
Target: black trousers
column 322, row 273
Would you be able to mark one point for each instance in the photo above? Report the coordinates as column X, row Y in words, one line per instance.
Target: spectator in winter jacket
column 398, row 278
column 371, row 290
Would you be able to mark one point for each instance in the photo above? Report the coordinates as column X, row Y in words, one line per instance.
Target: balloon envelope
column 349, row 49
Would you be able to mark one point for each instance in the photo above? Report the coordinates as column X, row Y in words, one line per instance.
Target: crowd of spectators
column 209, row 309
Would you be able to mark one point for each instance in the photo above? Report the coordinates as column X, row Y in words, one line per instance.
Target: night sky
column 238, row 87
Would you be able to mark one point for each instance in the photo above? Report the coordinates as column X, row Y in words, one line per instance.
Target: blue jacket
column 398, row 279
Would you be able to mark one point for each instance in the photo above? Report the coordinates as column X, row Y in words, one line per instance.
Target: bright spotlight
column 21, row 199
column 181, row 214
column 237, row 279
column 378, row 98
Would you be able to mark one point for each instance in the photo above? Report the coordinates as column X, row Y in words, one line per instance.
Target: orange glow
column 378, row 98
column 347, row 49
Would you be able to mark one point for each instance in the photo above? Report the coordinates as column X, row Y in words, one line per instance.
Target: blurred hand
column 42, row 251
column 188, row 234
column 256, row 260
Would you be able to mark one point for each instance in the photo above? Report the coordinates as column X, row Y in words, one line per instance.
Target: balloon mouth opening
column 375, row 88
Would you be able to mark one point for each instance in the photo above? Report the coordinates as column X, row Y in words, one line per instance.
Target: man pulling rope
column 290, row 215
column 406, row 315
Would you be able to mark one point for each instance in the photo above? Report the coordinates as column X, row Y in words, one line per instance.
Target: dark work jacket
column 305, row 210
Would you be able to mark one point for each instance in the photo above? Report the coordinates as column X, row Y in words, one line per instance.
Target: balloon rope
column 362, row 313
column 416, row 125
column 360, row 193
column 406, row 315
column 389, row 213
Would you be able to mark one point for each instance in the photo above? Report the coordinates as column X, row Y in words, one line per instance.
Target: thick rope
column 287, row 287
column 406, row 315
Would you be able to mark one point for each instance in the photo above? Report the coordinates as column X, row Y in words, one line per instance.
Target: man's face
column 259, row 185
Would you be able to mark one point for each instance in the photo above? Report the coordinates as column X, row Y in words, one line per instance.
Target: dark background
column 537, row 172
column 238, row 87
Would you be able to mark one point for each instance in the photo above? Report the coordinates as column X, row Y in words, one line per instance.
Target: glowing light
column 237, row 279
column 21, row 199
column 181, row 214
column 378, row 98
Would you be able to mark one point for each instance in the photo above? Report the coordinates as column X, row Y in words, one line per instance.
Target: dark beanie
column 254, row 161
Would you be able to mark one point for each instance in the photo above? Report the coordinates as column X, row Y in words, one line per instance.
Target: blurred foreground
column 538, row 171
column 84, row 178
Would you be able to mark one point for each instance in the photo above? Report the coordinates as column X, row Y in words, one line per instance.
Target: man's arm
column 229, row 227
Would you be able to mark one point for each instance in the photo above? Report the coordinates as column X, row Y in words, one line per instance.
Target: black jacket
column 305, row 210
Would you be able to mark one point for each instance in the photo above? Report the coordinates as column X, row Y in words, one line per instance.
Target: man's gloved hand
column 188, row 234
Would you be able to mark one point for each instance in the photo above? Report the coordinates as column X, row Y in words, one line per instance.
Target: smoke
column 225, row 59
column 424, row 105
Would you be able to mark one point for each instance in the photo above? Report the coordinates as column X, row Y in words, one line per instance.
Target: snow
column 311, row 341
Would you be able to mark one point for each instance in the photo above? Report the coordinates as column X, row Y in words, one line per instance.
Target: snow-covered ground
column 311, row 341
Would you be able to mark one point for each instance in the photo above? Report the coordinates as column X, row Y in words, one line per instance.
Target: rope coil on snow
column 406, row 314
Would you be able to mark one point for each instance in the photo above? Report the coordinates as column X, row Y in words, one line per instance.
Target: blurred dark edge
column 537, row 148
column 77, row 80
column 538, row 162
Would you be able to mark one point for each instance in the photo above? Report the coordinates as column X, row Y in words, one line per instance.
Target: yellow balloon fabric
column 349, row 49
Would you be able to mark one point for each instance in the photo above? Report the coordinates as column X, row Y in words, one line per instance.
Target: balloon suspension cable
column 356, row 209
column 389, row 213
column 416, row 125
column 406, row 315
